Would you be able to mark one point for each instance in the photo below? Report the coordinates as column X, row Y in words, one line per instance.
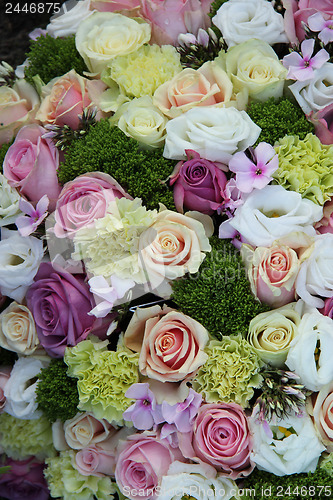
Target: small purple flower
column 301, row 66
column 145, row 412
column 233, row 197
column 317, row 22
column 27, row 225
column 226, row 231
column 254, row 172
column 170, row 433
column 183, row 414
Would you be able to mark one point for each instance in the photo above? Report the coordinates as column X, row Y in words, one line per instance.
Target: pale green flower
column 111, row 245
column 20, row 439
column 66, row 482
column 327, row 464
column 103, row 377
column 230, row 373
column 305, row 166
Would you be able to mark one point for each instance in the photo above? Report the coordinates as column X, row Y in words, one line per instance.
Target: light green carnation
column 305, row 166
column 66, row 482
column 230, row 373
column 111, row 245
column 103, row 377
column 327, row 464
column 142, row 72
column 20, row 439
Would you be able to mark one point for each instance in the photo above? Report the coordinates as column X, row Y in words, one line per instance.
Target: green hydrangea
column 305, row 166
column 66, row 482
column 20, row 438
column 230, row 373
column 103, row 377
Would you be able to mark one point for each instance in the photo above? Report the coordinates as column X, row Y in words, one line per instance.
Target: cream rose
column 320, row 407
column 253, row 65
column 240, row 20
column 272, row 332
column 9, row 203
column 105, row 35
column 143, row 121
column 207, row 86
column 171, row 344
column 214, row 133
column 18, row 330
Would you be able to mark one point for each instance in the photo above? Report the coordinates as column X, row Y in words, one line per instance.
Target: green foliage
column 270, row 487
column 278, row 118
column 218, row 295
column 3, row 151
column 107, row 149
column 214, row 7
column 50, row 57
column 57, row 394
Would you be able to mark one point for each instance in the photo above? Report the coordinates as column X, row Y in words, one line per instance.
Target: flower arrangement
column 166, row 282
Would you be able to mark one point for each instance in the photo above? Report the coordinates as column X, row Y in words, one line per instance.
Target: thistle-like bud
column 7, row 74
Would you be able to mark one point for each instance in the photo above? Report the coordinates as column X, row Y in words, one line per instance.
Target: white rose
column 215, row 133
column 143, row 121
column 106, row 35
column 68, row 20
column 310, row 353
column 18, row 329
column 189, row 480
column 9, row 202
column 316, row 93
column 20, row 390
column 253, row 66
column 20, row 258
column 240, row 20
column 291, row 447
column 315, row 276
column 273, row 212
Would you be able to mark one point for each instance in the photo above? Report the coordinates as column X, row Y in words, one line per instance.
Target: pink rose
column 18, row 106
column 65, row 98
column 320, row 407
column 170, row 18
column 84, row 200
column 272, row 273
column 94, row 461
column 220, row 438
column 24, row 480
column 171, row 344
column 114, row 5
column 325, row 225
column 31, row 163
column 327, row 310
column 323, row 123
column 142, row 461
column 4, row 376
column 198, row 184
column 298, row 11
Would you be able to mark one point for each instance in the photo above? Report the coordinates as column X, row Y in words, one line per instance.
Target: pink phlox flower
column 170, row 433
column 256, row 171
column 145, row 412
column 106, row 295
column 233, row 198
column 27, row 224
column 226, row 231
column 182, row 414
column 317, row 22
column 301, row 66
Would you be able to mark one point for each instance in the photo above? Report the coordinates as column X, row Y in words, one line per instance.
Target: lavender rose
column 60, row 303
column 25, row 479
column 198, row 184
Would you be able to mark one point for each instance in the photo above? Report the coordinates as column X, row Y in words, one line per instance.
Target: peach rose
column 93, row 461
column 272, row 273
column 171, row 344
column 18, row 330
column 320, row 407
column 207, row 86
column 65, row 98
column 18, row 106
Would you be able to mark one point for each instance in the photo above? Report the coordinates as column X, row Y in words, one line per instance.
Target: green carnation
column 66, row 482
column 20, row 438
column 327, row 464
column 103, row 377
column 230, row 373
column 305, row 166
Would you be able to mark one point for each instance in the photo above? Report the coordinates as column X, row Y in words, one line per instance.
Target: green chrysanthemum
column 230, row 373
column 142, row 72
column 66, row 482
column 20, row 439
column 103, row 377
column 305, row 166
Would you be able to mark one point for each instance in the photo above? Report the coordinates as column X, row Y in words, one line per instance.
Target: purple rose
column 327, row 310
column 323, row 123
column 24, row 480
column 198, row 184
column 60, row 303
